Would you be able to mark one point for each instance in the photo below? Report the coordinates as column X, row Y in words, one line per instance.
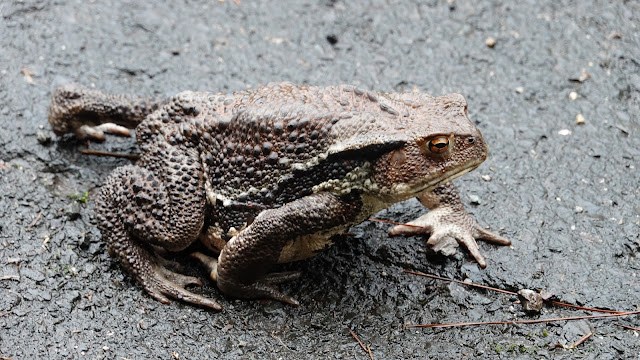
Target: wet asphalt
column 556, row 96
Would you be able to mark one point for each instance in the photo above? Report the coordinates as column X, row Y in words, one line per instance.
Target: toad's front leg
column 241, row 269
column 447, row 218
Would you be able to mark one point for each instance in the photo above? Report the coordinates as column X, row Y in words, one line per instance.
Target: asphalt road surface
column 556, row 95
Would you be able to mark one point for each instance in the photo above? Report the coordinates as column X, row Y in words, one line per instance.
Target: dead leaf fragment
column 28, row 75
column 584, row 76
column 531, row 301
column 614, row 35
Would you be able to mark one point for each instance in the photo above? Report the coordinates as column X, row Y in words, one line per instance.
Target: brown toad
column 270, row 175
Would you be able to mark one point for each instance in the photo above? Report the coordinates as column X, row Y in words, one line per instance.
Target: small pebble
column 584, row 76
column 579, row 209
column 580, row 119
column 573, row 95
column 72, row 211
column 546, row 294
column 564, row 132
column 486, row 177
column 43, row 137
column 519, row 89
column 490, row 42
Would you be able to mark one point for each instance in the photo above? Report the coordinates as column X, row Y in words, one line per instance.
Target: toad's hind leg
column 136, row 210
column 90, row 113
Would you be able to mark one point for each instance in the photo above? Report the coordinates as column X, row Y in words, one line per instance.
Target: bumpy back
column 255, row 143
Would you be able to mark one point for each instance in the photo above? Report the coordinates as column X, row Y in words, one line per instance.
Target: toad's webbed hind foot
column 263, row 287
column 159, row 282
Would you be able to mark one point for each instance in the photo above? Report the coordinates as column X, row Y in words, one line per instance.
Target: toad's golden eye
column 438, row 145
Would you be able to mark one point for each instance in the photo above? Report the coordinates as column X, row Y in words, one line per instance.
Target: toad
column 271, row 175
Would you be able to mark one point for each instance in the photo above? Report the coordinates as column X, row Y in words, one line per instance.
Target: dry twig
column 10, row 277
column 35, row 221
column 557, row 303
column 280, row 340
column 581, row 340
column 107, row 153
column 365, row 348
column 629, row 327
column 395, row 223
column 513, row 322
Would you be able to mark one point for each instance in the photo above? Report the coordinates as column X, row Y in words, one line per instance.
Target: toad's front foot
column 263, row 287
column 444, row 223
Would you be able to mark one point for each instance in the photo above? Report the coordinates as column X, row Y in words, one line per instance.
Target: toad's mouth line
column 445, row 178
